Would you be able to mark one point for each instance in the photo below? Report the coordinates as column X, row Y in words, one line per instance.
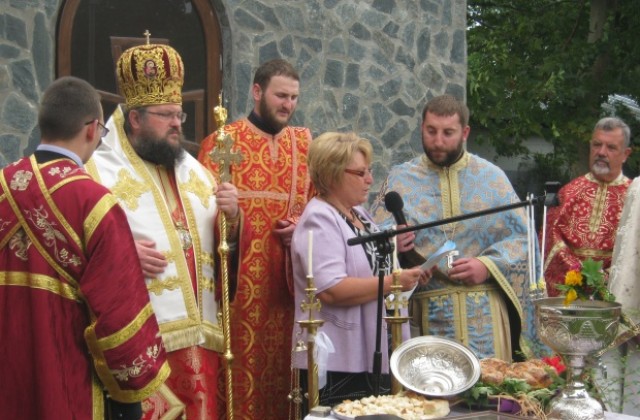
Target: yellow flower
column 573, row 278
column 570, row 296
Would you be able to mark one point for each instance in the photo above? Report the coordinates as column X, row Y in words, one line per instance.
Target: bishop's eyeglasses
column 168, row 116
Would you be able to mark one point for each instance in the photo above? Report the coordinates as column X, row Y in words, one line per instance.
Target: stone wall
column 367, row 66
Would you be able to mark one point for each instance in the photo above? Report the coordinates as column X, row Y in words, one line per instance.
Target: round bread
column 534, row 372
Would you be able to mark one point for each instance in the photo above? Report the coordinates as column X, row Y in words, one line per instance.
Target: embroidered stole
column 27, row 192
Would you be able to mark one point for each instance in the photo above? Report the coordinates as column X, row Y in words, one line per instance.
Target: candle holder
column 295, row 396
column 311, row 325
column 396, row 320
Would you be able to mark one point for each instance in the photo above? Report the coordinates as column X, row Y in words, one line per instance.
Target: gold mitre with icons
column 150, row 74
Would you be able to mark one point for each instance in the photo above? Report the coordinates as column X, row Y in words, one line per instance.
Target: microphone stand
column 390, row 233
column 385, row 247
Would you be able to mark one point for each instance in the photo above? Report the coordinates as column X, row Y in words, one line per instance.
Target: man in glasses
column 173, row 206
column 75, row 316
column 274, row 189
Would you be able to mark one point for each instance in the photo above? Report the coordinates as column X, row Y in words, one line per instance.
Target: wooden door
column 93, row 33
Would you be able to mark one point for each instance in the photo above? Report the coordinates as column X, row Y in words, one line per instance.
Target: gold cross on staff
column 147, row 34
column 222, row 154
column 225, row 157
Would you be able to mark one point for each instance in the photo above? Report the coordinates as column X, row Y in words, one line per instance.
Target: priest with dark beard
column 173, row 206
column 482, row 298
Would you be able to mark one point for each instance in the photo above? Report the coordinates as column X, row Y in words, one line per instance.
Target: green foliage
column 480, row 395
column 533, row 71
column 586, row 283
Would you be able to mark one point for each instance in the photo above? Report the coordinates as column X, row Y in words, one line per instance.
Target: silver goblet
column 576, row 331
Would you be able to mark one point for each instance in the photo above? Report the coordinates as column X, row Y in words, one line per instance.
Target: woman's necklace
column 353, row 216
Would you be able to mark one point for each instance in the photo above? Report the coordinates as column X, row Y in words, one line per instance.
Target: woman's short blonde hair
column 330, row 154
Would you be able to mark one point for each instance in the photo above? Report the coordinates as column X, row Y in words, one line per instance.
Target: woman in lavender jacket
column 346, row 277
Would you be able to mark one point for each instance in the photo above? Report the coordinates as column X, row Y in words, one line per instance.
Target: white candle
column 309, row 254
column 395, row 251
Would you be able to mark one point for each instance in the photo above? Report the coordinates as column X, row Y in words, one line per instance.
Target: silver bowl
column 435, row 366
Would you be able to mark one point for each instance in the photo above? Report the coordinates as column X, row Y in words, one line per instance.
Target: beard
column 449, row 159
column 600, row 167
column 159, row 150
column 268, row 115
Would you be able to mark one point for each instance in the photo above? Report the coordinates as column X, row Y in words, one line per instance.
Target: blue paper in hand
column 444, row 250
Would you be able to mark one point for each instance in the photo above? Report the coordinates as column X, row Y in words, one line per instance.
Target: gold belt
column 456, row 289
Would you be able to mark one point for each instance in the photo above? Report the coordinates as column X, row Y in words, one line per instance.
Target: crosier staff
column 224, row 157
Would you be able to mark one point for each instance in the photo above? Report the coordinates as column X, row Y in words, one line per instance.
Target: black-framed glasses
column 168, row 116
column 359, row 172
column 104, row 130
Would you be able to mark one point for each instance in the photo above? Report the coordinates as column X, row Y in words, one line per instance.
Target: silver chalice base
column 576, row 331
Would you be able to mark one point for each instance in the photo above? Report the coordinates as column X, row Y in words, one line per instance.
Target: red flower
column 556, row 363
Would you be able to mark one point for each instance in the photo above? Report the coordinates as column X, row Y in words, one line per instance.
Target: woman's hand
column 409, row 278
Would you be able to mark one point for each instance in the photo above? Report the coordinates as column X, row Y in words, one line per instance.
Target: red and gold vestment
column 582, row 226
column 273, row 184
column 75, row 314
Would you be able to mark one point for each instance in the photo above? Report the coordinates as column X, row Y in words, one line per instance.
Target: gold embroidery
column 157, row 286
column 128, row 331
column 476, row 296
column 39, row 281
column 139, row 366
column 440, row 300
column 198, row 187
column 20, row 180
column 3, row 224
column 599, row 206
column 257, row 179
column 206, row 258
column 96, row 215
column 20, row 243
column 128, row 190
column 170, row 256
column 62, row 173
column 52, row 236
column 208, row 284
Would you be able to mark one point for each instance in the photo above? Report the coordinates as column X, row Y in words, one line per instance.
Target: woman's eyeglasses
column 359, row 172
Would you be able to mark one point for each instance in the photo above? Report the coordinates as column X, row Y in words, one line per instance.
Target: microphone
column 394, row 204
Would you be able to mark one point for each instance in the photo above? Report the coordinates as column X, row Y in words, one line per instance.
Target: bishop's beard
column 159, row 150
